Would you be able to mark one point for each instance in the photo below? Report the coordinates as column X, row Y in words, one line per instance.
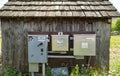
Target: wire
column 89, row 62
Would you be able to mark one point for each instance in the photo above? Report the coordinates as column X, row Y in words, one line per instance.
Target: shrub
column 48, row 71
column 75, row 71
column 117, row 24
column 113, row 27
column 91, row 71
column 11, row 72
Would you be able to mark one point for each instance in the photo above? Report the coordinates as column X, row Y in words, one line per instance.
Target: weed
column 75, row 71
column 11, row 72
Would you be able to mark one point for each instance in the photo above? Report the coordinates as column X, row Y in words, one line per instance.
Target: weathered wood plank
column 98, row 14
column 57, row 7
column 50, row 14
column 104, row 14
column 63, row 13
column 90, row 14
column 58, row 13
column 15, row 54
column 77, row 8
column 82, row 14
column 72, row 8
column 112, row 13
column 69, row 13
column 75, row 13
column 83, row 7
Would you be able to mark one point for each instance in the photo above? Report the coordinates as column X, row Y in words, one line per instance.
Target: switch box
column 60, row 43
column 84, row 44
column 37, row 48
column 33, row 67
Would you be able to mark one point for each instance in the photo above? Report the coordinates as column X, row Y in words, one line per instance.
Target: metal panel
column 59, row 42
column 33, row 67
column 37, row 48
column 84, row 44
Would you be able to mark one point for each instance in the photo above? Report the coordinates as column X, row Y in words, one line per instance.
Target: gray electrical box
column 84, row 44
column 37, row 48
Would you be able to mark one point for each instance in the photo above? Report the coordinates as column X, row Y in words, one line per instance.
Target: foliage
column 48, row 71
column 11, row 72
column 83, row 70
column 64, row 65
column 91, row 71
column 116, row 25
column 113, row 27
column 75, row 71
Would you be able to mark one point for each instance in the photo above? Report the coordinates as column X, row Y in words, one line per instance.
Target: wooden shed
column 18, row 17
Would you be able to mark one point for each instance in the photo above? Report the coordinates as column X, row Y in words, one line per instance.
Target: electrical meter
column 84, row 44
column 37, row 48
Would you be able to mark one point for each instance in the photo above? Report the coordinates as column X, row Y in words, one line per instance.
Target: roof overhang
column 96, row 9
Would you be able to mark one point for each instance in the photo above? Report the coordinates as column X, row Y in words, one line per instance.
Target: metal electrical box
column 84, row 44
column 33, row 67
column 37, row 48
column 60, row 42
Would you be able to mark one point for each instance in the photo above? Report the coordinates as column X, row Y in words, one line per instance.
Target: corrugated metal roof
column 59, row 9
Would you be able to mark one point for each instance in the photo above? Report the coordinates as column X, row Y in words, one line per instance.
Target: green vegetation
column 115, row 42
column 113, row 26
column 0, row 43
column 11, row 72
column 75, row 71
column 116, row 25
column 48, row 71
column 91, row 71
column 115, row 56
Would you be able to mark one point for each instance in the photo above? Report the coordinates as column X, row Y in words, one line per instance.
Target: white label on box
column 84, row 45
column 40, row 38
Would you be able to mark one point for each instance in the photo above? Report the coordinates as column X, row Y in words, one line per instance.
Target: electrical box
column 33, row 67
column 37, row 48
column 60, row 43
column 84, row 44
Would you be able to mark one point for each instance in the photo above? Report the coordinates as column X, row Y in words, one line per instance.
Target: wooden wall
column 14, row 36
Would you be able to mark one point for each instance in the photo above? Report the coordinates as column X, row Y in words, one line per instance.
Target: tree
column 117, row 25
column 113, row 27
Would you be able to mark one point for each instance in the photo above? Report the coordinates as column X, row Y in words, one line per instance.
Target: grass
column 0, row 42
column 115, row 55
column 115, row 42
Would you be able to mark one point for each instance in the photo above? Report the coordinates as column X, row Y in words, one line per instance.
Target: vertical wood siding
column 14, row 37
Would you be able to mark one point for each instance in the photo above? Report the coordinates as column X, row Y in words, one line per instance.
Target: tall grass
column 115, row 55
column 115, row 42
column 0, row 42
